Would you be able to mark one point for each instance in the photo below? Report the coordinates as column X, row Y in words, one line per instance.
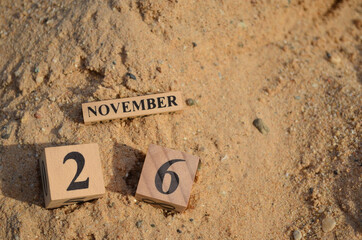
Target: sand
column 294, row 64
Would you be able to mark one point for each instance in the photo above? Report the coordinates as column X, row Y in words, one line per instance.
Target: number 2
column 79, row 159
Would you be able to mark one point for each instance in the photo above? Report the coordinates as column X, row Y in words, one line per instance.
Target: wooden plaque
column 166, row 178
column 71, row 174
column 131, row 107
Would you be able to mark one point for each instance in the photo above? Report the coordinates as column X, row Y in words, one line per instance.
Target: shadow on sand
column 21, row 179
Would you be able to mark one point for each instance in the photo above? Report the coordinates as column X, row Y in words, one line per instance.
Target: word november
column 130, row 107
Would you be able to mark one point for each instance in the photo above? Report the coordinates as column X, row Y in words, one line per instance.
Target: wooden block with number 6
column 71, row 174
column 166, row 178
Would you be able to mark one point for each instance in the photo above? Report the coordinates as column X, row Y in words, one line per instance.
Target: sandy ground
column 295, row 64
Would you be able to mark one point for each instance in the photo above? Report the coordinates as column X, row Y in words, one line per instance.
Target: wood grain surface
column 71, row 174
column 173, row 171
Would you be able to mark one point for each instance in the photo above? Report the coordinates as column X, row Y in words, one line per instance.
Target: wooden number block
column 131, row 107
column 166, row 178
column 71, row 174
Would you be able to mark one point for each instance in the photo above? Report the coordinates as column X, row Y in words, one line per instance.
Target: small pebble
column 242, row 24
column 321, row 209
column 153, row 225
column 36, row 70
column 259, row 124
column 297, row 97
column 179, row 231
column 159, row 69
column 17, row 73
column 328, row 224
column 61, row 131
column 297, row 235
column 37, row 115
column 39, row 79
column 194, row 44
column 6, row 132
column 335, row 60
column 191, row 219
column 114, row 62
column 199, row 167
column 139, row 223
column 190, row 102
column 224, row 157
column 130, row 75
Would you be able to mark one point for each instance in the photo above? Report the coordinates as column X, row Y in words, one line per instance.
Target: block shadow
column 20, row 173
column 127, row 165
column 21, row 178
column 359, row 62
column 348, row 195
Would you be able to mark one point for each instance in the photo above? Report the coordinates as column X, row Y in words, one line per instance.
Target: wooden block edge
column 178, row 208
column 88, row 198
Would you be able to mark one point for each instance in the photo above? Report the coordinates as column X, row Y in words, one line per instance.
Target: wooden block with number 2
column 167, row 177
column 71, row 174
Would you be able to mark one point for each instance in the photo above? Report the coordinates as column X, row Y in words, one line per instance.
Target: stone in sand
column 5, row 131
column 259, row 124
column 335, row 59
column 297, row 235
column 190, row 102
column 139, row 223
column 328, row 224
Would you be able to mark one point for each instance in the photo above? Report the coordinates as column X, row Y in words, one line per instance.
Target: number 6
column 160, row 175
